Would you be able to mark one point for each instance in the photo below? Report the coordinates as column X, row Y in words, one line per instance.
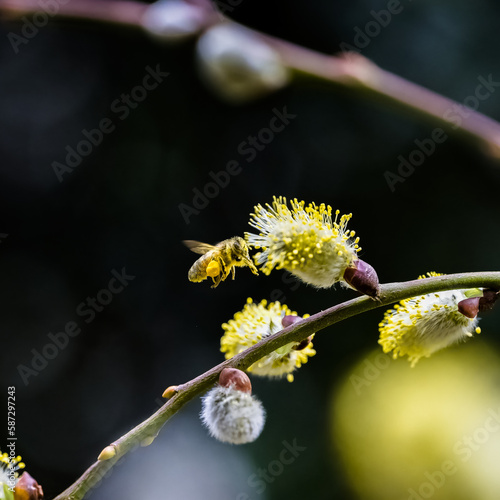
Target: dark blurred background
column 119, row 208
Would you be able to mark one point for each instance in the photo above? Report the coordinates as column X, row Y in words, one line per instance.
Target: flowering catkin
column 305, row 240
column 420, row 326
column 256, row 322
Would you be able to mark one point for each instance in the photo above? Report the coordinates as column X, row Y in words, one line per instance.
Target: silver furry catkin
column 230, row 413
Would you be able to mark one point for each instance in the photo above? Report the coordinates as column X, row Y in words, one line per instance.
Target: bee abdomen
column 197, row 273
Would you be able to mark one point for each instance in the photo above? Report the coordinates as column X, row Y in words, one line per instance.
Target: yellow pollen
column 213, row 269
column 257, row 321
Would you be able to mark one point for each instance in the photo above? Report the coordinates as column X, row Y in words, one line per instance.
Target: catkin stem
column 389, row 294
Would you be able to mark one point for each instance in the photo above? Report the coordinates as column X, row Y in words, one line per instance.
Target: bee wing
column 198, row 246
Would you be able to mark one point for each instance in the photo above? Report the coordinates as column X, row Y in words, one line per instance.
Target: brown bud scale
column 303, row 344
column 487, row 301
column 170, row 391
column 232, row 377
column 363, row 278
column 469, row 307
column 290, row 320
column 27, row 489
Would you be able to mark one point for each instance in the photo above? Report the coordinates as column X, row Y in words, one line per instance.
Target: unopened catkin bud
column 363, row 278
column 148, row 441
column 238, row 64
column 170, row 391
column 232, row 415
column 173, row 20
column 107, row 453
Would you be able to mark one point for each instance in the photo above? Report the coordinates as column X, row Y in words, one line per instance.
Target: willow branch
column 116, row 12
column 354, row 72
column 358, row 73
column 389, row 293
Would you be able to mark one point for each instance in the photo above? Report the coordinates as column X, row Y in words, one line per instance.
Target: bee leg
column 233, row 270
column 222, row 273
column 217, row 280
column 224, row 270
column 253, row 268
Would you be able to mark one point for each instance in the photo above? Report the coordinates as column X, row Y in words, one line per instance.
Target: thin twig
column 390, row 293
column 107, row 11
column 359, row 73
column 354, row 71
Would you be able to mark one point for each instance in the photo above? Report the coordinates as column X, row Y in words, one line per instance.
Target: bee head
column 239, row 250
column 241, row 255
column 239, row 246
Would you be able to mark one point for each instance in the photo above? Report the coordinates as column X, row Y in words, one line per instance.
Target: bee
column 217, row 261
